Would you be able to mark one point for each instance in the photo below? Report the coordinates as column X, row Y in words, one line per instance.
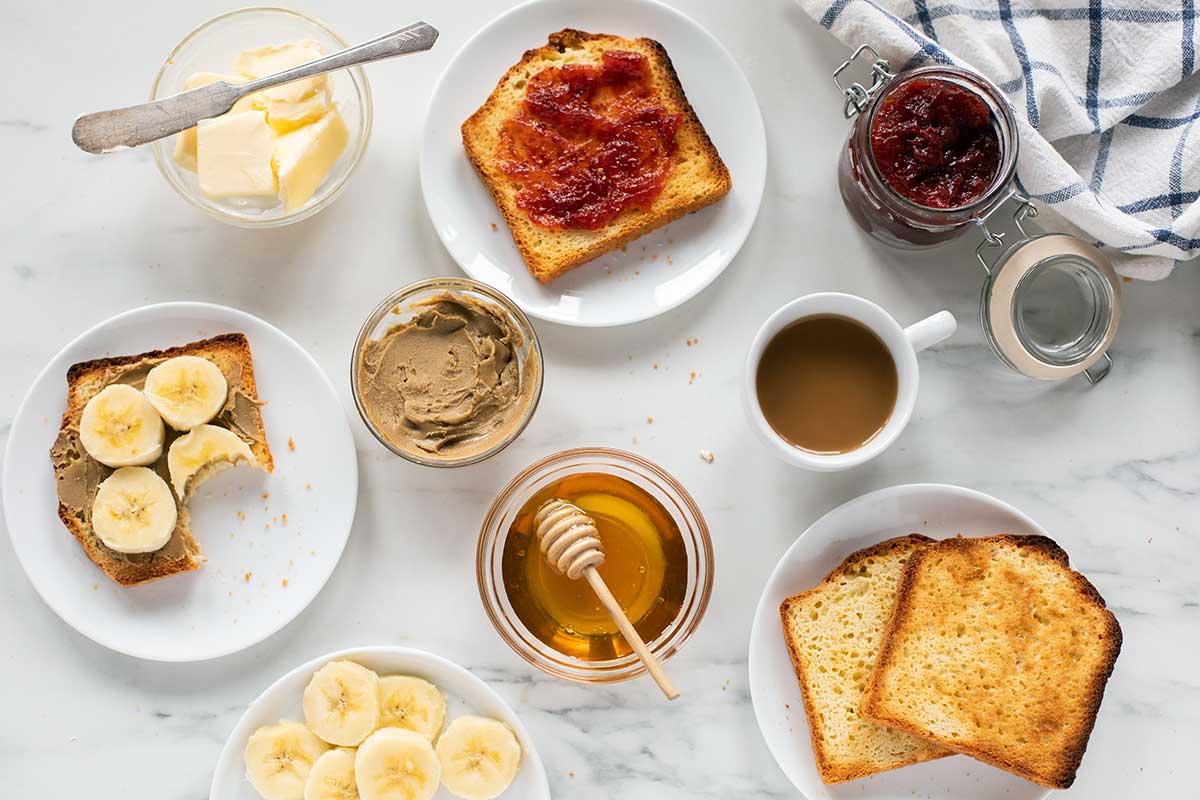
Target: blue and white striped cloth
column 1106, row 94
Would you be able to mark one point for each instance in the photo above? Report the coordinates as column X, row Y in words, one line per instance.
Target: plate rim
column 241, row 727
column 863, row 499
column 19, row 420
column 738, row 240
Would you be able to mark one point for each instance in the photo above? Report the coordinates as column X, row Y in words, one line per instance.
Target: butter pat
column 277, row 57
column 304, row 157
column 185, row 142
column 234, row 156
column 294, row 104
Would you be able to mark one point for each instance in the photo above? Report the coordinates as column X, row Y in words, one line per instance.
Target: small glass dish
column 214, row 47
column 396, row 308
column 648, row 477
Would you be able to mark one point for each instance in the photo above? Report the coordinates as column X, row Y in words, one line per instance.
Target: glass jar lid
column 1050, row 307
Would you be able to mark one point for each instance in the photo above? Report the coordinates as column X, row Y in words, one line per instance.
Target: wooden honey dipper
column 571, row 543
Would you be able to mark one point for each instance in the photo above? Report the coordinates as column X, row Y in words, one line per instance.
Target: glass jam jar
column 1051, row 302
column 874, row 203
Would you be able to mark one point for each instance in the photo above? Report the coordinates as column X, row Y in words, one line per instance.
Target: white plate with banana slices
column 437, row 728
column 269, row 541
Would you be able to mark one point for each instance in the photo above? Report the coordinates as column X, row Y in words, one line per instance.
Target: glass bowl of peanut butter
column 446, row 372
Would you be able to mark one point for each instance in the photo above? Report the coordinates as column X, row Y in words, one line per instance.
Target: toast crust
column 631, row 223
column 833, row 771
column 84, row 379
column 1059, row 775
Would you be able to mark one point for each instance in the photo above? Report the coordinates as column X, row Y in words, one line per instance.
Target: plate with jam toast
column 379, row 723
column 932, row 641
column 598, row 163
column 183, row 508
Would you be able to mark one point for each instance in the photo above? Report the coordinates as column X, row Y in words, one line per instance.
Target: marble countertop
column 1113, row 472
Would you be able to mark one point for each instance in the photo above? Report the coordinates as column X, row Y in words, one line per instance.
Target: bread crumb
column 241, row 517
column 247, row 576
column 267, row 527
column 283, row 519
column 95, row 587
column 283, row 583
column 635, row 440
column 654, row 257
column 691, row 378
column 308, row 486
column 1127, row 279
column 707, row 456
column 291, row 444
column 265, row 495
column 494, row 226
column 649, row 420
column 571, row 775
column 656, row 365
column 670, row 260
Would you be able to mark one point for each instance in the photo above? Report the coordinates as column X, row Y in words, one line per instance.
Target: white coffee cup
column 902, row 343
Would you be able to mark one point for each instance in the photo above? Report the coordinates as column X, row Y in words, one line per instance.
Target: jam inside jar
column 933, row 150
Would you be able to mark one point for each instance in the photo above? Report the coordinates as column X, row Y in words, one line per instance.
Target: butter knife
column 122, row 128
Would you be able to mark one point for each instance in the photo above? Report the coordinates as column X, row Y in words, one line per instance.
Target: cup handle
column 931, row 330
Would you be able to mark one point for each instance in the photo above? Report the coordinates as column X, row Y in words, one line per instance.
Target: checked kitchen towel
column 1106, row 94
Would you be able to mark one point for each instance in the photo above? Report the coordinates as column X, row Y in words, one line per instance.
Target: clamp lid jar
column 931, row 150
column 1051, row 303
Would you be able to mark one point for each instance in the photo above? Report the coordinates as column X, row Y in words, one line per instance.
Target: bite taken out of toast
column 79, row 475
column 695, row 177
column 833, row 633
column 999, row 650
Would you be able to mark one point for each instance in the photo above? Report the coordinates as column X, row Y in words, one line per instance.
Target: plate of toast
column 458, row 737
column 599, row 163
column 165, row 488
column 929, row 641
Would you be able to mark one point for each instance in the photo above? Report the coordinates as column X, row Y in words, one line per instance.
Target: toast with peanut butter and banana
column 140, row 433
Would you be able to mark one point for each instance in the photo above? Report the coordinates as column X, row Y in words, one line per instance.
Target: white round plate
column 263, row 567
column 935, row 510
column 465, row 694
column 656, row 272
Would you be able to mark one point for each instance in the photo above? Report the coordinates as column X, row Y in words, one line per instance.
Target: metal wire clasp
column 995, row 239
column 857, row 95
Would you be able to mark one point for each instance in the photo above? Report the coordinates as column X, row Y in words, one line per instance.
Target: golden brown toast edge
column 1047, row 547
column 831, row 773
column 546, row 271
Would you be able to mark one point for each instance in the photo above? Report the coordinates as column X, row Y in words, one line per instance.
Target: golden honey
column 645, row 566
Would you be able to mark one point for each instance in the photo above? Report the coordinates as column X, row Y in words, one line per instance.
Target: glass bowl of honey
column 658, row 562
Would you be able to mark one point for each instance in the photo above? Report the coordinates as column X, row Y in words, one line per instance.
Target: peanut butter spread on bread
column 78, row 475
column 447, row 382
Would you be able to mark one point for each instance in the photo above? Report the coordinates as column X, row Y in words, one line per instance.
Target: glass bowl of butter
column 280, row 155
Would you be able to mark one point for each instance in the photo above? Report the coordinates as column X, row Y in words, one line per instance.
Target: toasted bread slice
column 997, row 649
column 699, row 177
column 833, row 633
column 75, row 471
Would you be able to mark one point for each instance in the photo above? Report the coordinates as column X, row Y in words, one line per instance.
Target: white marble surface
column 1113, row 472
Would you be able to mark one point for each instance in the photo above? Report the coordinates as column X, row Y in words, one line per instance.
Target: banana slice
column 479, row 757
column 134, row 511
column 187, row 391
column 119, row 428
column 205, row 450
column 412, row 703
column 332, row 777
column 279, row 759
column 341, row 703
column 396, row 764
